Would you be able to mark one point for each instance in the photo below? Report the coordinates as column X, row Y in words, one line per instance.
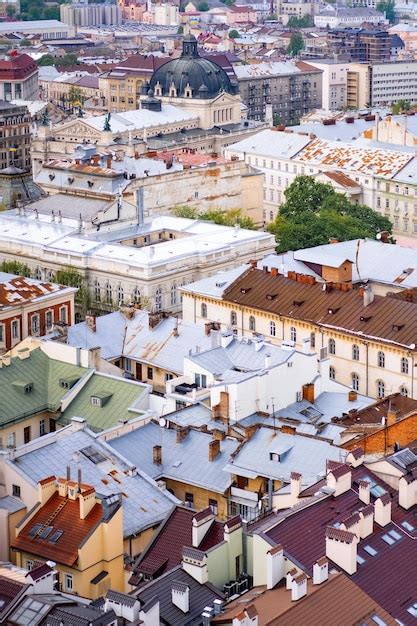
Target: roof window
column 407, row 526
column 370, row 550
column 413, row 609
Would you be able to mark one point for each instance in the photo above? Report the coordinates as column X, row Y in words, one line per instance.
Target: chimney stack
column 214, row 449
column 79, row 478
column 274, row 566
column 299, row 587
column 320, row 571
column 341, row 547
column 90, row 320
column 368, row 296
column 157, row 455
column 382, row 510
column 364, row 491
column 295, row 485
column 180, row 595
column 182, row 432
column 392, row 416
column 308, row 392
column 352, row 396
column 407, row 490
column 340, row 479
column 175, row 329
column 68, row 472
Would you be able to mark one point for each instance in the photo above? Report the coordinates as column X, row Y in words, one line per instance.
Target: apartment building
column 15, row 123
column 333, row 84
column 363, row 45
column 18, row 77
column 369, row 339
column 391, row 82
column 80, row 530
column 284, row 90
column 90, row 14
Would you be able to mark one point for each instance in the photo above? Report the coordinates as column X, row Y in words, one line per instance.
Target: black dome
column 206, row 79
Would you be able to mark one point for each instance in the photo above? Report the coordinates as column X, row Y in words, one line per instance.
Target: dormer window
column 100, row 400
column 95, row 401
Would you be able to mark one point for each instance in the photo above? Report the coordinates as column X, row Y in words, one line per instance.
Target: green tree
column 314, row 212
column 15, row 267
column 24, row 43
column 203, row 6
column 10, row 10
column 272, row 18
column 46, row 59
column 234, row 34
column 75, row 96
column 296, row 44
column 400, row 107
column 300, row 22
column 180, row 30
column 223, row 218
column 71, row 277
column 185, row 211
column 387, row 7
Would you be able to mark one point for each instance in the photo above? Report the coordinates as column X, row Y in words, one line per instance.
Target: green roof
column 44, row 375
column 116, row 395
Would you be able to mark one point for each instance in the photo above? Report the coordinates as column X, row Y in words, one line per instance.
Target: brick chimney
column 214, row 449
column 87, row 500
column 221, row 410
column 182, row 432
column 392, row 416
column 274, row 566
column 157, row 455
column 382, row 510
column 352, row 396
column 407, row 491
column 180, row 595
column 364, row 491
column 320, row 571
column 299, row 587
column 340, row 479
column 308, row 392
column 90, row 321
column 341, row 547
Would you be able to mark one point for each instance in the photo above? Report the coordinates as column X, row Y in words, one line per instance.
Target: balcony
column 184, row 389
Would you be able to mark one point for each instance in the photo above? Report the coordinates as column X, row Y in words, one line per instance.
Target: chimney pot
column 157, row 455
column 352, row 396
column 182, row 432
column 214, row 449
column 308, row 392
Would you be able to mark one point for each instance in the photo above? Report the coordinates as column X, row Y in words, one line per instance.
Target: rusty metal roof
column 15, row 290
column 386, row 319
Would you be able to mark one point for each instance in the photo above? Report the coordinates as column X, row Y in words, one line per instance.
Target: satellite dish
column 378, row 236
column 162, row 422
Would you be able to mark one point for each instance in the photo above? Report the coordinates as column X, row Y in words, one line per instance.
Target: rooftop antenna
column 273, row 412
column 357, row 258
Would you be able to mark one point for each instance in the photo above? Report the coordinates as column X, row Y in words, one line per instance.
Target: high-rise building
column 80, row 14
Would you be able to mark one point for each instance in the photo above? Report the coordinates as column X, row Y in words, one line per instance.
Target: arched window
column 233, row 318
column 38, row 273
column 355, row 381
column 355, row 352
column 120, row 295
column 109, row 294
column 252, row 323
column 380, row 388
column 404, row 365
column 204, row 310
column 332, row 373
column 272, row 329
column 50, row 276
column 312, row 340
column 158, row 299
column 136, row 295
column 404, row 391
column 332, row 346
column 173, row 295
column 293, row 334
column 381, row 361
column 97, row 291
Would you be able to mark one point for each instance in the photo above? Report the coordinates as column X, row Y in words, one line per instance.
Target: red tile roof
column 9, row 590
column 17, row 290
column 339, row 535
column 75, row 530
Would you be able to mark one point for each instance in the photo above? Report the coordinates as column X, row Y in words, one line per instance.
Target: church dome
column 205, row 78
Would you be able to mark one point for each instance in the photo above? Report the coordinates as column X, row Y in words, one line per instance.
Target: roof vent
column 271, row 296
column 397, row 326
column 245, row 289
column 365, row 318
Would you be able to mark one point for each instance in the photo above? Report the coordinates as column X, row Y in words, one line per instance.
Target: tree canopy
column 223, row 218
column 15, row 267
column 296, row 44
column 203, row 6
column 234, row 34
column 400, row 107
column 300, row 22
column 387, row 7
column 314, row 212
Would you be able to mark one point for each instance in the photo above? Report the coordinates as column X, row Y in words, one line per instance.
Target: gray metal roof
column 200, row 597
column 186, row 461
column 11, row 504
column 297, row 453
column 144, row 504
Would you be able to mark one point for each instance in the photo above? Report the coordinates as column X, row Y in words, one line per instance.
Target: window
column 95, row 401
column 312, row 340
column 29, row 565
column 200, row 380
column 128, row 365
column 150, row 373
column 63, row 314
column 355, row 353
column 233, row 318
column 355, row 381
column 136, row 295
column 252, row 323
column 213, row 505
column 16, row 491
column 293, row 334
column 97, row 291
column 381, row 359
column 120, row 295
column 68, row 582
column 370, row 550
column 49, row 320
column 34, row 324
column 173, row 295
column 15, row 329
column 272, row 329
column 332, row 373
column 41, row 428
column 169, row 377
column 404, row 365
column 158, row 299
column 204, row 310
column 380, row 389
column 413, row 609
column 404, row 391
column 332, row 346
column 189, row 499
column 109, row 294
column 1, row 333
column 11, row 440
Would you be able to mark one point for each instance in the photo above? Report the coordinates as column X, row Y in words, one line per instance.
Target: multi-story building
column 31, row 307
column 334, row 16
column 360, row 44
column 369, row 339
column 41, row 29
column 390, row 82
column 80, row 530
column 18, row 77
column 15, row 122
column 90, row 14
column 333, row 83
column 358, row 96
column 291, row 88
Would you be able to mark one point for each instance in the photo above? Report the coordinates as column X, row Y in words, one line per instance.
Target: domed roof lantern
column 189, row 47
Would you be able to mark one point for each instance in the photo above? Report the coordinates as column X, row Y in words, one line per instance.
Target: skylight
column 389, row 540
column 56, row 535
column 94, row 455
column 46, row 531
column 370, row 550
column 360, row 559
column 36, row 528
column 413, row 609
column 407, row 526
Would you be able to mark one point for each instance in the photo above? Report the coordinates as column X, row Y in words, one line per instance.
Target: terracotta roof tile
column 340, row 470
column 339, row 535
